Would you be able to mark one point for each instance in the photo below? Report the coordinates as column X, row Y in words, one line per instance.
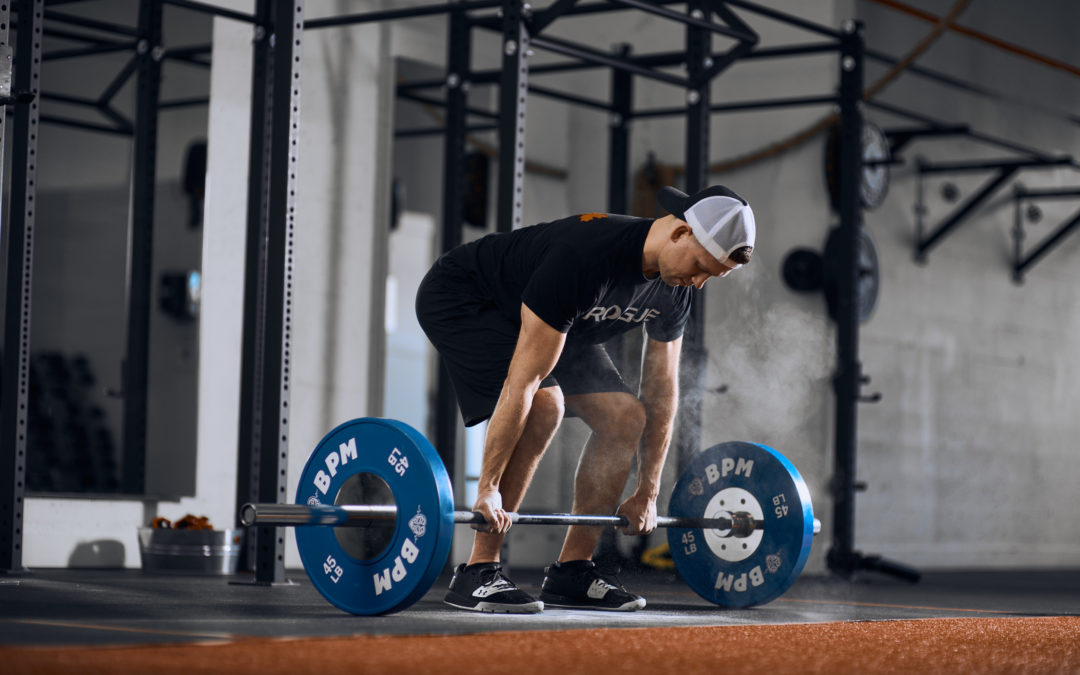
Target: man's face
column 685, row 262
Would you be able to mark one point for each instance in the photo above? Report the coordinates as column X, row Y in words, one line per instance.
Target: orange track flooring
column 924, row 646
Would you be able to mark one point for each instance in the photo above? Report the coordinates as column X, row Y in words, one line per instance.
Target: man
column 520, row 319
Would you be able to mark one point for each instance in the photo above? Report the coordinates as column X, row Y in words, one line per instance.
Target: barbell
column 374, row 519
column 728, row 524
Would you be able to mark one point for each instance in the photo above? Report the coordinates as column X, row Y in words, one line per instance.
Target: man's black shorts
column 477, row 342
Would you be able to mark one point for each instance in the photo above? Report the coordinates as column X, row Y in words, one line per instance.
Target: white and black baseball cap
column 721, row 220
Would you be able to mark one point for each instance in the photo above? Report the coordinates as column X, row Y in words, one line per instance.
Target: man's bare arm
column 537, row 351
column 660, row 395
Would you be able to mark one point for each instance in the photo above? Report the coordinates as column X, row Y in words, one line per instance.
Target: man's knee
column 547, row 408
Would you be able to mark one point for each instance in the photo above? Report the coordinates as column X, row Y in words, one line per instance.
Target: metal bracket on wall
column 1033, row 214
column 1005, row 169
column 900, row 137
column 1031, row 158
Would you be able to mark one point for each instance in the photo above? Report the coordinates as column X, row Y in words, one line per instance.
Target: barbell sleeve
column 293, row 515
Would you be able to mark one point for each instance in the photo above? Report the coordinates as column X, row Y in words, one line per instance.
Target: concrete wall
column 977, row 425
column 978, row 376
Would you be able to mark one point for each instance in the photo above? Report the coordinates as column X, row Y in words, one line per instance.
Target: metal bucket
column 189, row 551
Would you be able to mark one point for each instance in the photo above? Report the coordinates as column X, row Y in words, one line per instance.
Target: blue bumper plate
column 750, row 570
column 414, row 555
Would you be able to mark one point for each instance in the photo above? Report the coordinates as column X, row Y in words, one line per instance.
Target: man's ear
column 681, row 230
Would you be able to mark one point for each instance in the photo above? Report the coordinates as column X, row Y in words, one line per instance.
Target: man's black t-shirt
column 580, row 275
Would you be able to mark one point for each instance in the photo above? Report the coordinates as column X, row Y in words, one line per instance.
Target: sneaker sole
column 566, row 603
column 498, row 608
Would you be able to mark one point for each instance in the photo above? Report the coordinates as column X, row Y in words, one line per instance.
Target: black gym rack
column 278, row 27
column 522, row 30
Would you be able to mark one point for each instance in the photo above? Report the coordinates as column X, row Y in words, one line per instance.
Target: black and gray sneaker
column 484, row 588
column 579, row 584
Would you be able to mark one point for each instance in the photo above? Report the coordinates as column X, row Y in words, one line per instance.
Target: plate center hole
column 365, row 543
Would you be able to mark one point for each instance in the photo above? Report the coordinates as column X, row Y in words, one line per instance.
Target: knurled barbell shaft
column 738, row 524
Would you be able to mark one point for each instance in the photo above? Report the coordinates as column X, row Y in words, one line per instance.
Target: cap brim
column 673, row 201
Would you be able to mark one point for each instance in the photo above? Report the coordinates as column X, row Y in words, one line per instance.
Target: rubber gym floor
column 112, row 621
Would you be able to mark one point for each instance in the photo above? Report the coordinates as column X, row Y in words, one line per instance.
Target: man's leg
column 617, row 420
column 544, row 419
column 481, row 585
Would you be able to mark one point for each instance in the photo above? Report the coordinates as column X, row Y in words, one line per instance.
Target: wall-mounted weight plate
column 378, row 569
column 742, row 571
